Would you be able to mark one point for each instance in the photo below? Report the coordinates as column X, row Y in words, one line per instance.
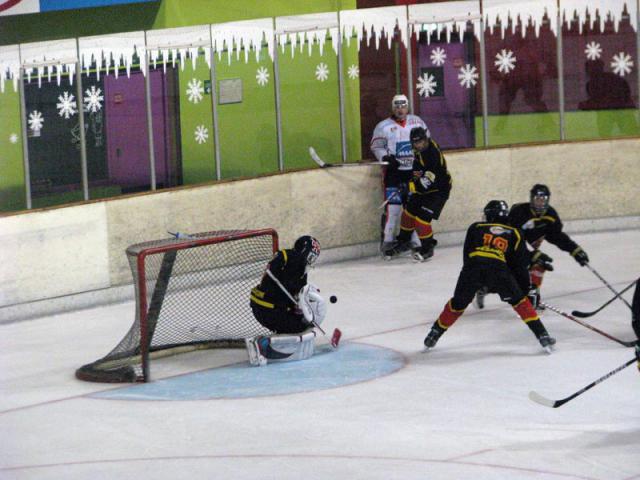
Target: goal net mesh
column 191, row 293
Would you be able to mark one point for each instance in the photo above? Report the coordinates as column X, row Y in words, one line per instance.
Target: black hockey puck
column 333, row 299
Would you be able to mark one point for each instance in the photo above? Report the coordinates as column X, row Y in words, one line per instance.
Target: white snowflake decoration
column 36, row 121
column 468, row 76
column 195, row 91
column 505, row 61
column 201, row 134
column 353, row 72
column 426, row 85
column 438, row 56
column 621, row 64
column 322, row 72
column 262, row 76
column 93, row 99
column 593, row 50
column 13, row 138
column 66, row 105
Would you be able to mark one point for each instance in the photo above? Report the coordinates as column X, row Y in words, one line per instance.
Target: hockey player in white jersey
column 391, row 143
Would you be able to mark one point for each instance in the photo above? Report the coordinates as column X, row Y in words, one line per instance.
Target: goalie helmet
column 496, row 211
column 308, row 247
column 539, row 198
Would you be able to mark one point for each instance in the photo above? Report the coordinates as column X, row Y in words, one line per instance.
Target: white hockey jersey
column 391, row 137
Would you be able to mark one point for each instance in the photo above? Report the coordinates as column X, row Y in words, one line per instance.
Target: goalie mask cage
column 191, row 294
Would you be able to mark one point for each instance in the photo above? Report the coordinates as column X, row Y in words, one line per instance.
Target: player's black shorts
column 280, row 320
column 426, row 206
column 478, row 273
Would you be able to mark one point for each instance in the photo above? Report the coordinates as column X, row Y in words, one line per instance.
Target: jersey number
column 496, row 242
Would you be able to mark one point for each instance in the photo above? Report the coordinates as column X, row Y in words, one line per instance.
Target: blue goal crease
column 349, row 364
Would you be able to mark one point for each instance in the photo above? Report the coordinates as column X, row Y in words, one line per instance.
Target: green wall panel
column 602, row 124
column 198, row 159
column 12, row 186
column 248, row 145
column 310, row 108
column 545, row 127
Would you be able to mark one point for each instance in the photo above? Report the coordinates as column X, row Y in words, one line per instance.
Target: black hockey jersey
column 495, row 242
column 430, row 173
column 538, row 228
column 289, row 267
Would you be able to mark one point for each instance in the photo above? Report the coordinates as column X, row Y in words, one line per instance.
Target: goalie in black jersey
column 539, row 221
column 429, row 190
column 285, row 303
column 495, row 256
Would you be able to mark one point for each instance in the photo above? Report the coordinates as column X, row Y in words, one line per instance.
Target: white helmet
column 399, row 101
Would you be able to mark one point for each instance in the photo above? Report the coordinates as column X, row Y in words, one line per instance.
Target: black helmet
column 308, row 247
column 496, row 211
column 417, row 134
column 539, row 198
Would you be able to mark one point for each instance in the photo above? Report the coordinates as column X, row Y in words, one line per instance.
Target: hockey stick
column 606, row 283
column 335, row 338
column 391, row 197
column 590, row 314
column 590, row 327
column 322, row 164
column 536, row 397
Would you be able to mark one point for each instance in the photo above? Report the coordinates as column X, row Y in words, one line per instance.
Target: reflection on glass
column 53, row 142
column 601, row 79
column 522, row 89
column 448, row 86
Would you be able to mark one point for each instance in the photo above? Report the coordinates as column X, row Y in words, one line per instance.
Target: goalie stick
column 586, row 325
column 607, row 284
column 337, row 334
column 536, row 397
column 580, row 314
column 322, row 164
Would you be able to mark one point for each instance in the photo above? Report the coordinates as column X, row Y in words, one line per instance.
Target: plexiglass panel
column 600, row 73
column 522, row 87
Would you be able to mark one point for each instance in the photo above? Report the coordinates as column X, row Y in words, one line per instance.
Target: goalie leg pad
column 255, row 356
column 286, row 348
column 393, row 214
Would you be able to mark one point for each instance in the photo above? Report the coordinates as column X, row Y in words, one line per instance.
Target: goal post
column 191, row 294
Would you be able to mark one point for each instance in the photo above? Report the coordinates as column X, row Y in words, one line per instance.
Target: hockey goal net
column 191, row 294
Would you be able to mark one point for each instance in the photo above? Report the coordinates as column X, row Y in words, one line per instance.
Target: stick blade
column 536, row 397
column 316, row 158
column 335, row 338
column 578, row 314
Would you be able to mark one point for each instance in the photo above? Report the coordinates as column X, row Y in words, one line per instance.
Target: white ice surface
column 460, row 411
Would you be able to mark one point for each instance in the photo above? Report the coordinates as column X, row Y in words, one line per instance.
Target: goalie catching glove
column 313, row 306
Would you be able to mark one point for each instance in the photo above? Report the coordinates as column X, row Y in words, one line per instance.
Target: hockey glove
column 403, row 192
column 392, row 161
column 542, row 260
column 534, row 297
column 580, row 256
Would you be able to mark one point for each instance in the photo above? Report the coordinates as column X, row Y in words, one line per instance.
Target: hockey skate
column 478, row 300
column 426, row 250
column 255, row 355
column 432, row 337
column 396, row 249
column 547, row 342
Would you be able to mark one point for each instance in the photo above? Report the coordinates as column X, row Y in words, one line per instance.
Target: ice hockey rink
column 377, row 408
